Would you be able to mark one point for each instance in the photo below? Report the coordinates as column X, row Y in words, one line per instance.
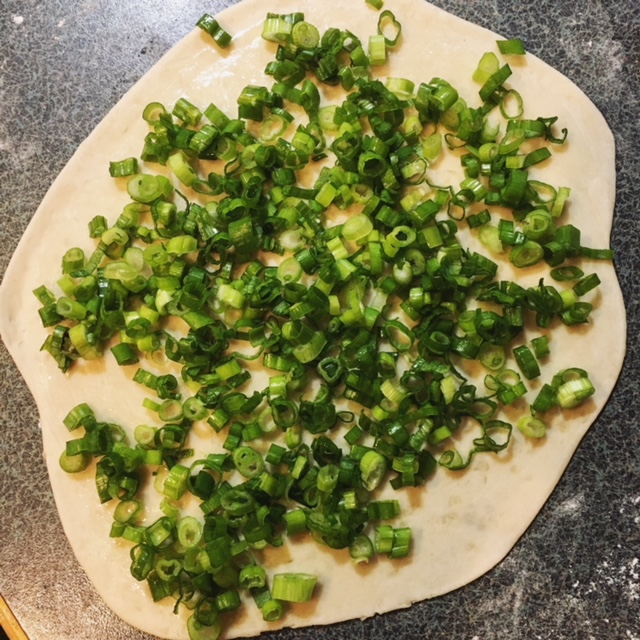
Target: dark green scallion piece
column 210, row 25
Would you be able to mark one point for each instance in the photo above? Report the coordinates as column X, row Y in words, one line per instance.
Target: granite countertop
column 576, row 571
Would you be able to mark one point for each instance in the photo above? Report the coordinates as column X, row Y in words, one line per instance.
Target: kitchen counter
column 576, row 571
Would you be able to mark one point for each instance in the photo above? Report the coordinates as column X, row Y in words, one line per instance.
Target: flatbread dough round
column 463, row 523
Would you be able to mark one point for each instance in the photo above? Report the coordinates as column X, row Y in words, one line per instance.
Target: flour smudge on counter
column 619, row 571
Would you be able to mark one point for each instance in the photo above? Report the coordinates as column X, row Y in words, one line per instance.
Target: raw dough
column 463, row 523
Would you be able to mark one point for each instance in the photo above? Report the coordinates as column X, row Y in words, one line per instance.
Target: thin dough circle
column 463, row 523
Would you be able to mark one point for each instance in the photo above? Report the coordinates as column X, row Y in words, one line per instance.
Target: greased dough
column 463, row 523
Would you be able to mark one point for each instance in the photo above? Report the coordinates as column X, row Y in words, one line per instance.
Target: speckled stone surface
column 574, row 574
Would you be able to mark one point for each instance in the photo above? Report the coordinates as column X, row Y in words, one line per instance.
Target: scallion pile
column 364, row 326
